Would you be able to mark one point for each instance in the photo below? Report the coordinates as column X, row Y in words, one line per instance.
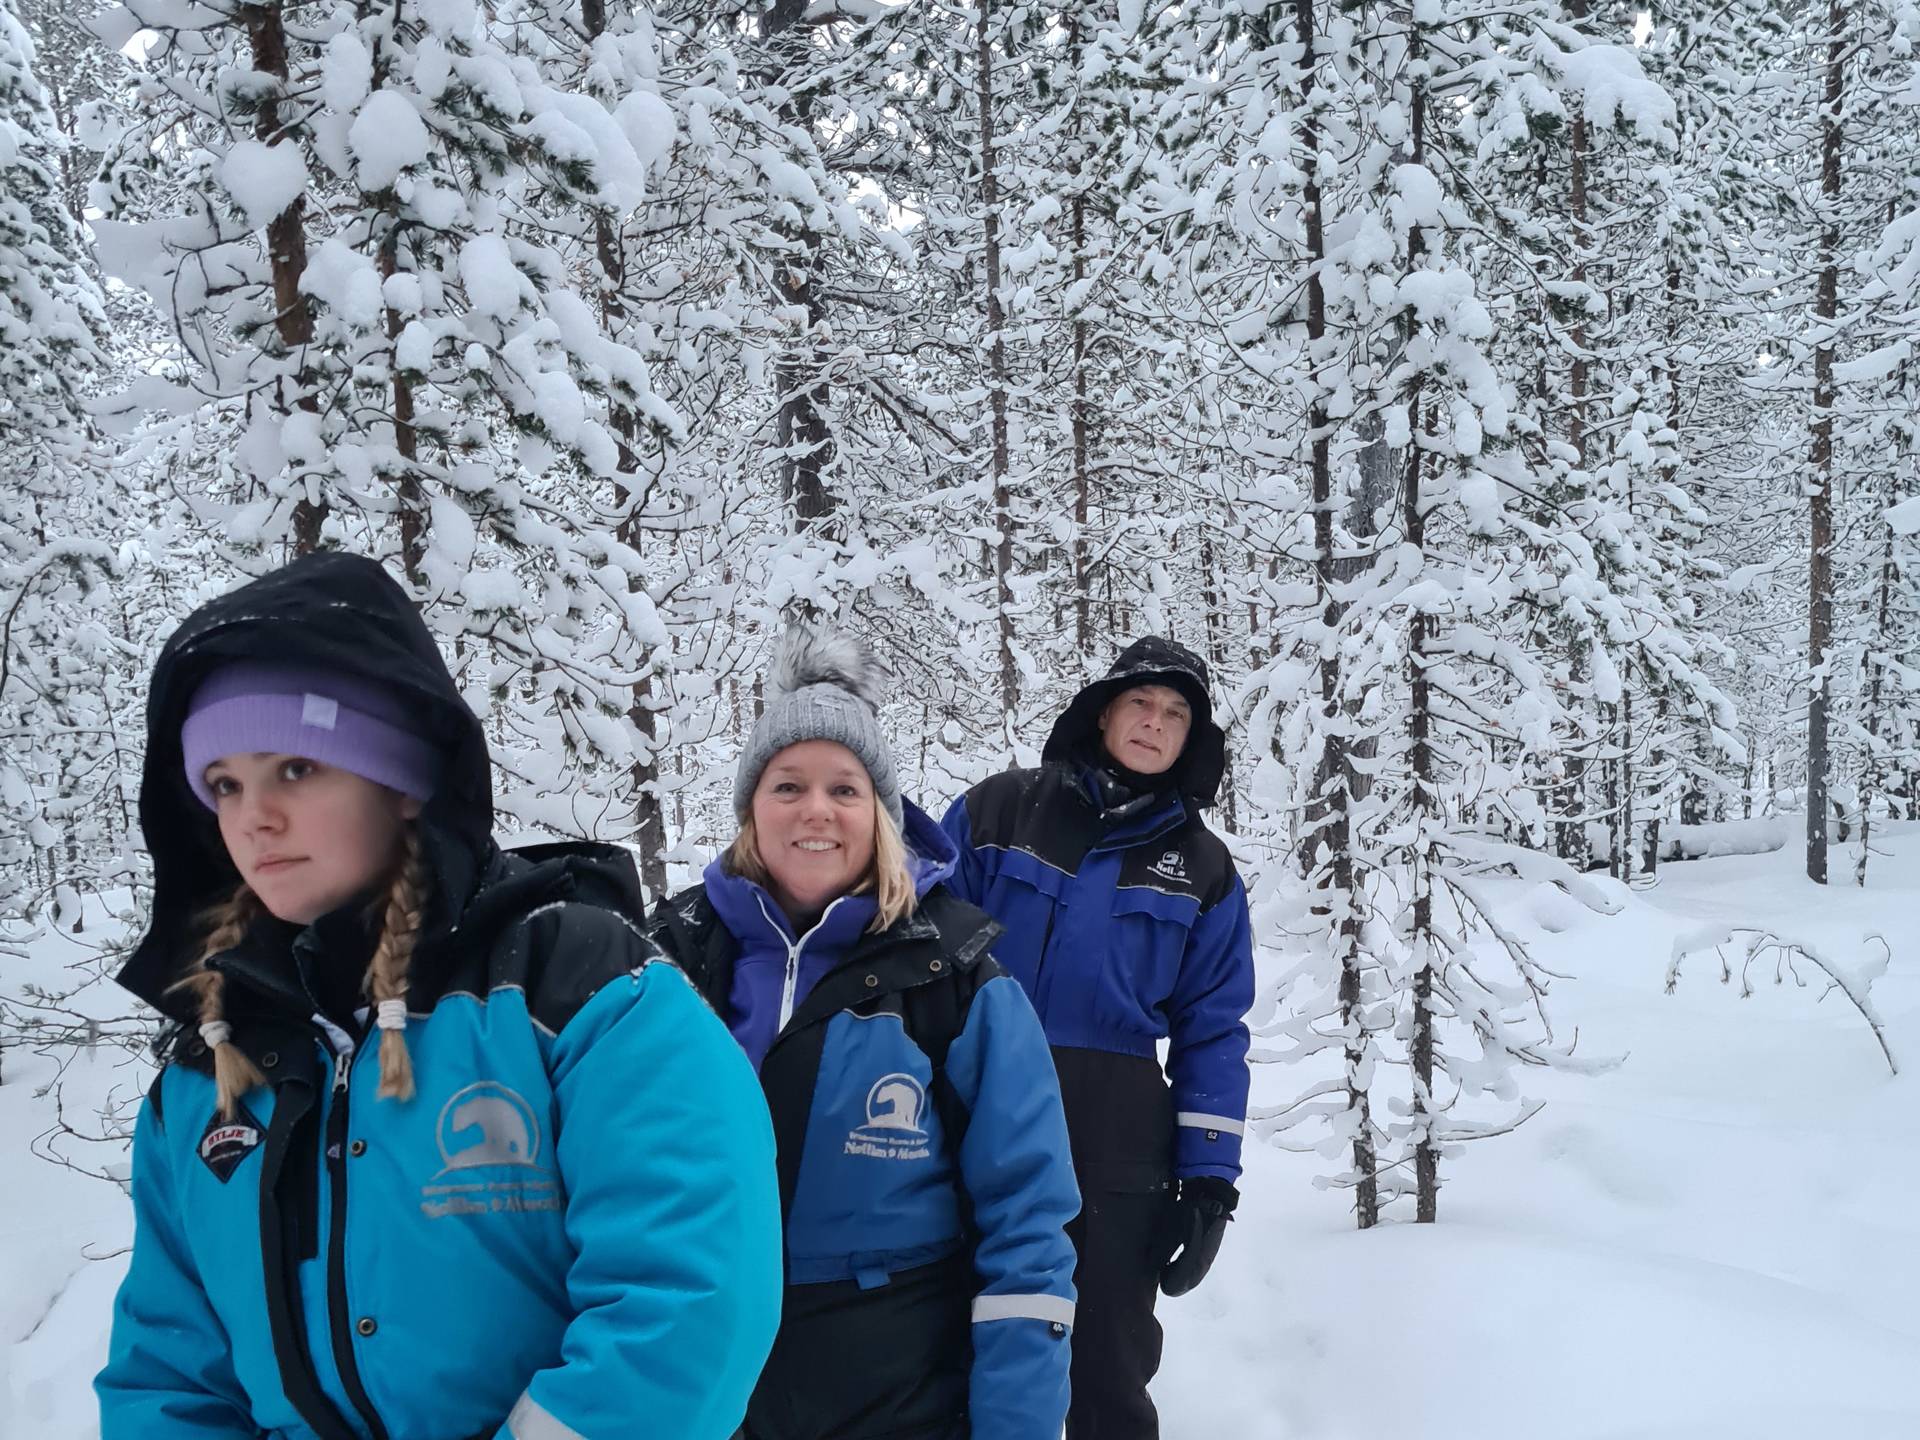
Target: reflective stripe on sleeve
column 1051, row 1308
column 1200, row 1120
column 532, row 1421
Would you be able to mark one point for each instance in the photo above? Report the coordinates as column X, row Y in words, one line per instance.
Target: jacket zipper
column 790, row 982
column 337, row 1318
column 885, row 944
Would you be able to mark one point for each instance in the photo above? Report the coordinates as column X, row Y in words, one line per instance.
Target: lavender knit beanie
column 256, row 707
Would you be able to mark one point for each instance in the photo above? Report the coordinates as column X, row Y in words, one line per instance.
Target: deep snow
column 1719, row 1239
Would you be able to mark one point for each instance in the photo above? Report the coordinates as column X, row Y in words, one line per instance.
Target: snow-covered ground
column 1720, row 1239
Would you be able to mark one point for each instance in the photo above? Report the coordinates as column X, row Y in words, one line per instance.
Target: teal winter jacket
column 570, row 1230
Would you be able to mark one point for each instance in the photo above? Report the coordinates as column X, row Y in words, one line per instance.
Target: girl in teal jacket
column 441, row 1148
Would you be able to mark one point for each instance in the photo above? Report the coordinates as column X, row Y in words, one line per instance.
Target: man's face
column 1145, row 728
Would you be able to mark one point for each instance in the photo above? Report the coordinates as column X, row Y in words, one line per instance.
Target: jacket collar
column 1126, row 826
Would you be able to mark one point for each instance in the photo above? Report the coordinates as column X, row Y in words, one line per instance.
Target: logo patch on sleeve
column 225, row 1143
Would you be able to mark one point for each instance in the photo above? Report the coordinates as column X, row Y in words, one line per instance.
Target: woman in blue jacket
column 544, row 1209
column 923, row 1157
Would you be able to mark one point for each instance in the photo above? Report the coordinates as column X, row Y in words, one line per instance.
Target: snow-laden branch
column 1856, row 984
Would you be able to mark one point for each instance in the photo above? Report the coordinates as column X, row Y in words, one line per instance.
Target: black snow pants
column 1120, row 1122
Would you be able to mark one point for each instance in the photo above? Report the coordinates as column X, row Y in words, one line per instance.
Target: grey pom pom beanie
column 824, row 685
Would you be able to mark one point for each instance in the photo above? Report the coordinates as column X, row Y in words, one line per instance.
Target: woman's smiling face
column 813, row 818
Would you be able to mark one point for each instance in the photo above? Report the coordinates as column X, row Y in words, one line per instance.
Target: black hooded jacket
column 344, row 612
column 1150, row 660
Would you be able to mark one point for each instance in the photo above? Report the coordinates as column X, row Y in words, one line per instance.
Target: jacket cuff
column 1206, row 1144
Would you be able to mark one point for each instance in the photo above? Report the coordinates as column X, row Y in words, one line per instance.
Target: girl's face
column 306, row 837
column 813, row 814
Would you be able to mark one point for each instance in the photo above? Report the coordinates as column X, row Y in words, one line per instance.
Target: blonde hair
column 888, row 874
column 386, row 980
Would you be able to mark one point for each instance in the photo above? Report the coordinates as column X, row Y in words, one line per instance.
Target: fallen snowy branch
column 1726, row 837
column 1856, row 984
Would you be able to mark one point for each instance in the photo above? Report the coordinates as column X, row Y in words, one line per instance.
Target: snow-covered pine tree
column 1240, row 210
column 361, row 258
column 58, row 533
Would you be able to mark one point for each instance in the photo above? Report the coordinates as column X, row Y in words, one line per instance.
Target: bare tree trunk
column 1870, row 769
column 1820, row 500
column 1425, row 796
column 1571, row 833
column 996, row 371
column 286, row 241
column 413, row 517
column 643, row 773
column 1329, row 814
column 1082, row 481
column 1216, row 655
column 801, row 429
column 1610, row 786
column 1426, row 1155
column 1627, row 778
column 1082, row 417
column 1578, row 150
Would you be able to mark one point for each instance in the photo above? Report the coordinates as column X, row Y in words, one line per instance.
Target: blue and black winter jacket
column 1125, row 929
column 571, row 1229
column 923, row 1160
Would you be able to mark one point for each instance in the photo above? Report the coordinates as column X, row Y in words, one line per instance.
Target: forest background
column 1513, row 400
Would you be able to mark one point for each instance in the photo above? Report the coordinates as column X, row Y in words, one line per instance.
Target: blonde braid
column 233, row 1073
column 387, row 971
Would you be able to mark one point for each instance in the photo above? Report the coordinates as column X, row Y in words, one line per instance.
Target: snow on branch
column 1855, row 983
column 1488, row 853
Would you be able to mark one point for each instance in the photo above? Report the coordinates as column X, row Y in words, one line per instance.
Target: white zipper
column 791, row 982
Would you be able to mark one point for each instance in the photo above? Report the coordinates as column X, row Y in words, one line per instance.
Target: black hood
column 1151, row 660
column 343, row 612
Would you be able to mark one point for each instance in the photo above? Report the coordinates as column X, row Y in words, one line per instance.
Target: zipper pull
column 791, row 984
column 342, row 1063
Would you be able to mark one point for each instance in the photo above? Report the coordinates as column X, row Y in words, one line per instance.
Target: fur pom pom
column 809, row 655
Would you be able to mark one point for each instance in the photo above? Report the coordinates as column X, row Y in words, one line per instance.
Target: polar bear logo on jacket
column 894, row 1103
column 488, row 1124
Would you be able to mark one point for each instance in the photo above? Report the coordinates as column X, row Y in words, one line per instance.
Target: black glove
column 1196, row 1225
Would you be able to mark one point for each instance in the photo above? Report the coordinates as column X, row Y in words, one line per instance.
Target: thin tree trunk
column 801, row 429
column 996, row 371
column 1216, row 654
column 1626, row 816
column 413, row 517
column 643, row 773
column 1578, row 151
column 1820, row 500
column 1329, row 815
column 1425, row 796
column 286, row 242
column 1883, row 618
column 1082, row 481
column 1081, row 418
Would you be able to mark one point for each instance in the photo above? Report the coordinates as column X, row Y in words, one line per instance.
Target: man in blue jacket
column 1127, row 924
